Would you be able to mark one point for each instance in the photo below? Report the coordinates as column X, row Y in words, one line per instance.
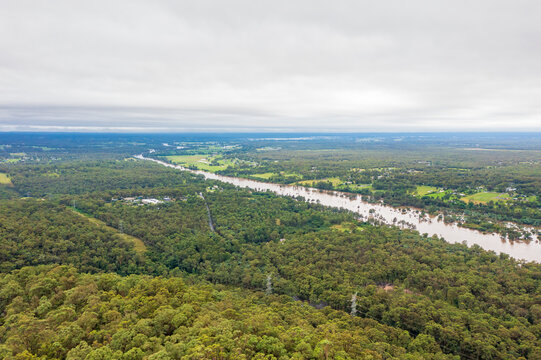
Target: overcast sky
column 270, row 65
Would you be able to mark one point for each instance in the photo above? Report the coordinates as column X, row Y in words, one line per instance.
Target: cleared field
column 425, row 190
column 266, row 176
column 138, row 244
column 288, row 173
column 355, row 186
column 439, row 194
column 202, row 162
column 334, row 180
column 484, row 197
column 5, row 180
column 347, row 227
column 186, row 159
column 336, row 183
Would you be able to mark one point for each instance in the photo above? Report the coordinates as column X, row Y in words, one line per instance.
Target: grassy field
column 138, row 244
column 289, row 173
column 268, row 175
column 5, row 180
column 334, row 180
column 425, row 190
column 202, row 162
column 336, row 183
column 347, row 227
column 265, row 176
column 14, row 158
column 484, row 197
column 356, row 186
column 439, row 194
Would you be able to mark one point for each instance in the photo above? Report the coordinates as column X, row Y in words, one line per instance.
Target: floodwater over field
column 404, row 218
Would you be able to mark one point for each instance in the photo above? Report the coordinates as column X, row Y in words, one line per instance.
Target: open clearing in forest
column 336, row 183
column 138, row 244
column 201, row 162
column 265, row 176
column 347, row 227
column 347, row 187
column 5, row 180
column 439, row 194
column 425, row 190
column 334, row 180
column 484, row 197
column 268, row 175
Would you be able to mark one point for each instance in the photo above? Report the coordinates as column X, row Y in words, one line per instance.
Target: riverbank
column 529, row 251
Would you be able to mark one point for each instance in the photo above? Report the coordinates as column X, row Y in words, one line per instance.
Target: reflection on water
column 385, row 214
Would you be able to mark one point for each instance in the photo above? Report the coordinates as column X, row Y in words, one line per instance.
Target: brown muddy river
column 405, row 218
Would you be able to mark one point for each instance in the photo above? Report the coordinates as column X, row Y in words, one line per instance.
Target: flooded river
column 405, row 218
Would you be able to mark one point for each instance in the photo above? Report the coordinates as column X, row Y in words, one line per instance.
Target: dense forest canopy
column 107, row 257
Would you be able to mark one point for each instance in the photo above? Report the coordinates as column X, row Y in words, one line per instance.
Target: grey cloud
column 256, row 65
